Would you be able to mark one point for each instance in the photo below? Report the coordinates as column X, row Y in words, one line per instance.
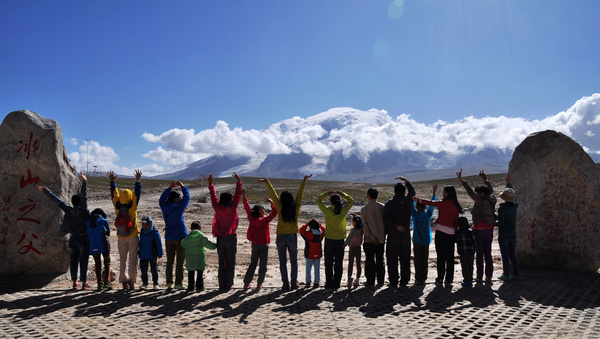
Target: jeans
column 421, row 253
column 354, row 254
column 374, row 263
column 334, row 262
column 466, row 265
column 79, row 253
column 310, row 263
column 289, row 243
column 174, row 250
column 153, row 268
column 198, row 284
column 508, row 243
column 259, row 252
column 226, row 250
column 483, row 251
column 444, row 247
column 398, row 249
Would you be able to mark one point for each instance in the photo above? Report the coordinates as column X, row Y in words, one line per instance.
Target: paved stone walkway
column 537, row 307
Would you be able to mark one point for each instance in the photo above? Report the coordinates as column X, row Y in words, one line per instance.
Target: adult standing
column 172, row 205
column 374, row 238
column 445, row 233
column 335, row 226
column 288, row 209
column 128, row 242
column 484, row 219
column 74, row 223
column 225, row 225
column 396, row 216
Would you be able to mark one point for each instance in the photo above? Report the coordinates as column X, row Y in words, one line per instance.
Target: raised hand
column 83, row 176
column 210, row 179
column 138, row 174
column 401, row 178
column 263, row 180
column 111, row 175
column 459, row 175
column 42, row 188
column 307, row 176
column 482, row 175
column 235, row 175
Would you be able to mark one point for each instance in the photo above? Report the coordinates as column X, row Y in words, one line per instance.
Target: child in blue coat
column 150, row 250
column 421, row 216
column 98, row 232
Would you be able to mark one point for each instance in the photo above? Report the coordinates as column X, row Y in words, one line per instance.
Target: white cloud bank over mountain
column 348, row 131
column 360, row 133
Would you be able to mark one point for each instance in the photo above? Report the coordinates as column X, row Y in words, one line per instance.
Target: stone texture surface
column 33, row 154
column 558, row 191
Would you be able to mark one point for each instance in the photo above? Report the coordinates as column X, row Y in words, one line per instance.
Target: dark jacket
column 397, row 211
column 75, row 219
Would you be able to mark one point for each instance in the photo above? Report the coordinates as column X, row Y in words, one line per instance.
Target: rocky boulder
column 558, row 190
column 33, row 154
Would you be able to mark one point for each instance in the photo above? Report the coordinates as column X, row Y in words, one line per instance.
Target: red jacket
column 448, row 212
column 312, row 248
column 258, row 230
column 226, row 218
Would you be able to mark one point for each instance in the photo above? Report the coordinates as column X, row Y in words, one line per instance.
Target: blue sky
column 110, row 71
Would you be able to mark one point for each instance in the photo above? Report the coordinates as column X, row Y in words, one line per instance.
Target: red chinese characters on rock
column 29, row 247
column 31, row 180
column 28, row 146
column 4, row 218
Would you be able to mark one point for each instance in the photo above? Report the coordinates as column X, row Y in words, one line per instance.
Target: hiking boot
column 285, row 286
column 108, row 285
column 294, row 286
column 125, row 286
column 100, row 286
column 131, row 285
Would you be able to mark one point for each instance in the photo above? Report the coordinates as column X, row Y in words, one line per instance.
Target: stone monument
column 558, row 191
column 32, row 153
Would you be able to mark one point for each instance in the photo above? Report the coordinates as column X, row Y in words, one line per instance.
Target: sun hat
column 508, row 195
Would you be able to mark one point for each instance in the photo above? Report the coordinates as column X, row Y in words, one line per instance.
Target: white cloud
column 91, row 154
column 360, row 133
column 74, row 141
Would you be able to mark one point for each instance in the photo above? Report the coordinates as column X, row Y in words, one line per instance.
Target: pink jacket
column 226, row 218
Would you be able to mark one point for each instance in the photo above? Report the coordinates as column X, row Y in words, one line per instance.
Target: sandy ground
column 203, row 212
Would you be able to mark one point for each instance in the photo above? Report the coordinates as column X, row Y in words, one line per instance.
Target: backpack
column 122, row 222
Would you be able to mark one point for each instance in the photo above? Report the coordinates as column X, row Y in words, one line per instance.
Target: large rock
column 33, row 154
column 558, row 191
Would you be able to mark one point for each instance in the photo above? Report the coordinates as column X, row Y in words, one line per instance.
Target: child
column 313, row 233
column 150, row 250
column 507, row 233
column 258, row 234
column 421, row 214
column 465, row 244
column 195, row 256
column 354, row 242
column 98, row 233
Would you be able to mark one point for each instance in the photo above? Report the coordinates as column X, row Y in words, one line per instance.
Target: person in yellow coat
column 126, row 222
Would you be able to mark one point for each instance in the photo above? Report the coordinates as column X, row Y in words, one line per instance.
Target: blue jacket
column 98, row 232
column 421, row 225
column 173, row 214
column 150, row 244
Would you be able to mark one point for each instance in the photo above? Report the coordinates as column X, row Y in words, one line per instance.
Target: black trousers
column 374, row 263
column 334, row 262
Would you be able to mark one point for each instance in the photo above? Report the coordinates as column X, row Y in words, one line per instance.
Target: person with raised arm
column 445, row 233
column 484, row 219
column 172, row 205
column 126, row 222
column 224, row 228
column 288, row 209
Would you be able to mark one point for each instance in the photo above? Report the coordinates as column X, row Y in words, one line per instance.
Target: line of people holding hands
column 375, row 225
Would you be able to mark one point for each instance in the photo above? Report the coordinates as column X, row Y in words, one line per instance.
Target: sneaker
column 478, row 280
column 294, row 286
column 125, row 285
column 131, row 285
column 190, row 289
column 246, row 286
column 76, row 285
column 285, row 286
column 259, row 287
column 356, row 282
column 170, row 286
column 86, row 286
column 156, row 286
column 108, row 286
column 180, row 287
column 144, row 286
column 488, row 279
column 514, row 277
column 504, row 277
column 466, row 283
column 100, row 286
column 439, row 282
column 316, row 285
